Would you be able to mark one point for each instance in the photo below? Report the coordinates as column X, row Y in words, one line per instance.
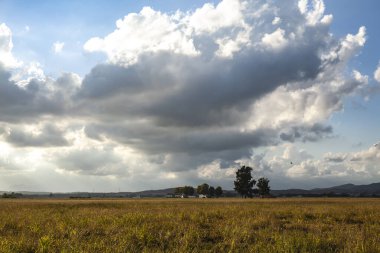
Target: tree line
column 203, row 189
column 12, row 195
column 244, row 186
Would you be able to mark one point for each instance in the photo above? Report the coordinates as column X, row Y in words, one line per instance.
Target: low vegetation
column 11, row 195
column 190, row 225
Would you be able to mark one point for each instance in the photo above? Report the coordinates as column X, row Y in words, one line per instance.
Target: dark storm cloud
column 26, row 103
column 186, row 91
column 307, row 133
column 172, row 140
column 335, row 159
column 179, row 149
column 9, row 92
column 90, row 161
column 49, row 136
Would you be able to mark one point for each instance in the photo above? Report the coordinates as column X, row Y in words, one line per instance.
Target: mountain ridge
column 349, row 190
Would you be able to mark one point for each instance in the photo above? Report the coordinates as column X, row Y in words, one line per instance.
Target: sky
column 135, row 95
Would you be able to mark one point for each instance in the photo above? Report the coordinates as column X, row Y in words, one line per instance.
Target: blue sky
column 98, row 95
column 359, row 115
column 73, row 22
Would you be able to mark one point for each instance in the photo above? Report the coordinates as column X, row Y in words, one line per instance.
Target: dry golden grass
column 190, row 225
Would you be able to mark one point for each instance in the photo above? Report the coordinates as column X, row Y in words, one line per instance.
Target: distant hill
column 370, row 190
column 146, row 193
column 157, row 192
column 345, row 190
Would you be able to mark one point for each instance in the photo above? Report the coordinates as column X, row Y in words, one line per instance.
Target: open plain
column 190, row 225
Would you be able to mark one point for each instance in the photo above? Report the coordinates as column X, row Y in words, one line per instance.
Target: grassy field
column 190, row 225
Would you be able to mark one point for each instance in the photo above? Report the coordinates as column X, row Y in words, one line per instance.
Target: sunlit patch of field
column 190, row 225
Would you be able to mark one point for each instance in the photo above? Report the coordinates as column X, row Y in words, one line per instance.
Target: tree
column 211, row 191
column 178, row 190
column 203, row 189
column 187, row 190
column 218, row 191
column 244, row 182
column 263, row 186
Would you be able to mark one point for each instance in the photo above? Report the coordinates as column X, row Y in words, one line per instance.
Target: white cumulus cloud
column 58, row 47
column 6, row 46
column 376, row 75
column 19, row 71
column 275, row 40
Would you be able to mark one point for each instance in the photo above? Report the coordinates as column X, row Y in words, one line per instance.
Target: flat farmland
column 190, row 225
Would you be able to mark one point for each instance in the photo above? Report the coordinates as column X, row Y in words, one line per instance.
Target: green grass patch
column 190, row 225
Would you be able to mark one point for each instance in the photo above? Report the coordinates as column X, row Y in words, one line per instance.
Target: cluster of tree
column 203, row 189
column 244, row 184
column 11, row 195
column 210, row 191
column 187, row 190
